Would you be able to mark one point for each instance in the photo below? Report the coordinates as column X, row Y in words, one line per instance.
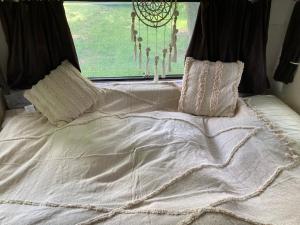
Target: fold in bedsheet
column 130, row 162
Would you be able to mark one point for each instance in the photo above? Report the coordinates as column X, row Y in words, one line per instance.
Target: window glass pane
column 101, row 33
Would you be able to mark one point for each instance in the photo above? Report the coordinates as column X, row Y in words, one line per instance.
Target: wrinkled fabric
column 132, row 146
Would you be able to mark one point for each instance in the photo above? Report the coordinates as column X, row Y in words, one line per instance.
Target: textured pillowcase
column 63, row 95
column 210, row 88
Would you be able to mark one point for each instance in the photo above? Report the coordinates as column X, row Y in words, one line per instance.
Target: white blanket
column 134, row 162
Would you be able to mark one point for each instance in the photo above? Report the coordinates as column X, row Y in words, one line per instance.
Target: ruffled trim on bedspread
column 278, row 133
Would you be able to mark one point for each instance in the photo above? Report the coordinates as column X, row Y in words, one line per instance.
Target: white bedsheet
column 132, row 162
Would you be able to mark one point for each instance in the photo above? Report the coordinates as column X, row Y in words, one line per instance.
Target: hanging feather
column 133, row 15
column 148, row 62
column 164, row 63
column 156, row 69
column 140, row 52
column 170, row 59
column 135, row 45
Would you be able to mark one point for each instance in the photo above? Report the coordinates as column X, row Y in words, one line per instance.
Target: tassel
column 135, row 46
column 132, row 32
column 148, row 62
column 133, row 14
column 135, row 50
column 174, row 36
column 164, row 63
column 140, row 56
column 170, row 56
column 174, row 58
column 156, row 69
column 140, row 52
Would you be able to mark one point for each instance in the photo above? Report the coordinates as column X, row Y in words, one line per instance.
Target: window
column 101, row 33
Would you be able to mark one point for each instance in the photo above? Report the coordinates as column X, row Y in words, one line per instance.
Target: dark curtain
column 38, row 38
column 290, row 54
column 231, row 30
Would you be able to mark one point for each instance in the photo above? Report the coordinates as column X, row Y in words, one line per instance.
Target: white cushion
column 210, row 88
column 63, row 95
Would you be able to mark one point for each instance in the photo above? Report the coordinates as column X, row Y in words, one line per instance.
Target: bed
column 133, row 159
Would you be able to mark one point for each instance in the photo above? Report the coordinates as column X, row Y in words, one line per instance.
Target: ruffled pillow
column 210, row 88
column 63, row 95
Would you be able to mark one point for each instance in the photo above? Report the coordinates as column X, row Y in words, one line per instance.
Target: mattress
column 134, row 160
column 280, row 114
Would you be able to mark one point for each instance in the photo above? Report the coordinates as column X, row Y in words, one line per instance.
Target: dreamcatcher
column 155, row 14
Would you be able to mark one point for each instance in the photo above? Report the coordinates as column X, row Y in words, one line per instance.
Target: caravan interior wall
column 279, row 19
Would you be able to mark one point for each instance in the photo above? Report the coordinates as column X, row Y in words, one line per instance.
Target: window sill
column 140, row 84
column 134, row 78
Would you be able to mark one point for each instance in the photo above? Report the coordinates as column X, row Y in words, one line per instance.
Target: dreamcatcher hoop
column 155, row 13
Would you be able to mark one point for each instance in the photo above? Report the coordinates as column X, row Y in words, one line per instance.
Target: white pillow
column 210, row 88
column 63, row 95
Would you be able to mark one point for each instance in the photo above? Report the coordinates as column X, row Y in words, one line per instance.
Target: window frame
column 130, row 78
column 121, row 1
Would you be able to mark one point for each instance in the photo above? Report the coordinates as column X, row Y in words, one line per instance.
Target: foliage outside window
column 101, row 33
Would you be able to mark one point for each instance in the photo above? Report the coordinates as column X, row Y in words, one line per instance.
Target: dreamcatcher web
column 155, row 14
